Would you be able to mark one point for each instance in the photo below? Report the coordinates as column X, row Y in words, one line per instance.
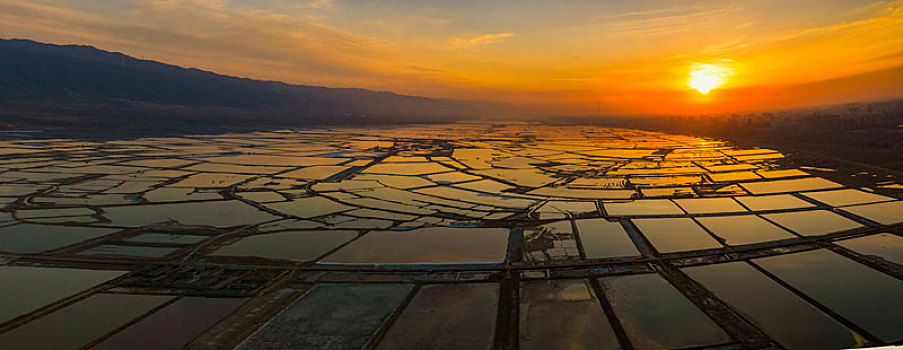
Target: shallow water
column 848, row 196
column 655, row 315
column 562, row 209
column 559, row 201
column 563, row 314
column 794, row 185
column 128, row 250
column 315, row 172
column 214, row 213
column 166, row 238
column 886, row 213
column 884, row 245
column 744, row 229
column 173, row 326
column 783, row 315
column 710, row 205
column 447, row 316
column 292, row 245
column 33, row 238
column 670, row 235
column 428, row 245
column 813, row 222
column 647, row 207
column 603, row 239
column 866, row 297
column 773, row 202
column 34, row 287
column 77, row 325
column 309, row 207
column 406, row 169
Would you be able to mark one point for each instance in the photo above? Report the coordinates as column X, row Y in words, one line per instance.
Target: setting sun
column 706, row 77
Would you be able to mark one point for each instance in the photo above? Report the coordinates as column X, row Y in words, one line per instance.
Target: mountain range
column 46, row 86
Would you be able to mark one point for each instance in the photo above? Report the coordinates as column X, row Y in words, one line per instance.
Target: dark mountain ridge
column 72, row 85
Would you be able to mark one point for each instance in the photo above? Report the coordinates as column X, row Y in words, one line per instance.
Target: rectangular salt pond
column 234, row 169
column 128, row 250
column 166, row 238
column 710, row 205
column 773, row 202
column 887, row 213
column 293, row 245
column 269, row 160
column 667, row 192
column 451, row 177
column 868, row 298
column 315, row 172
column 406, row 168
column 563, row 314
column 397, row 181
column 35, row 238
column 784, row 316
column 79, row 324
column 577, row 193
column 551, row 242
column 309, row 207
column 436, row 245
column 847, row 196
column 30, row 214
column 476, row 197
column 744, row 229
column 777, row 174
column 601, row 238
column 734, row 176
column 656, row 315
column 794, row 185
column 887, row 246
column 358, row 310
column 180, row 194
column 212, row 180
column 440, row 316
column 646, row 207
column 173, row 326
column 214, row 213
column 263, row 196
column 563, row 209
column 670, row 235
column 26, row 289
column 813, row 222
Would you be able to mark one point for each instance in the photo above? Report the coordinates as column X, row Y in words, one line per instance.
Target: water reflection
column 292, row 245
column 563, row 314
column 885, row 245
column 77, row 325
column 428, row 245
column 866, row 297
column 447, row 316
column 226, row 214
column 655, row 315
column 784, row 316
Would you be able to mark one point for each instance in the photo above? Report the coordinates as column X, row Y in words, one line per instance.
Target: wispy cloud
column 483, row 39
column 669, row 21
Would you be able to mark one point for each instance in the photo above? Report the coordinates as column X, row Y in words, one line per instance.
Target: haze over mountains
column 45, row 85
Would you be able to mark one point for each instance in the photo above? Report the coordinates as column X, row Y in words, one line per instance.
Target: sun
column 705, row 77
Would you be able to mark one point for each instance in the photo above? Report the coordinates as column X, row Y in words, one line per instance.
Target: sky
column 556, row 56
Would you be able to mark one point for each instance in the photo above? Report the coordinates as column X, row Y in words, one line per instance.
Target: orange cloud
column 479, row 39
